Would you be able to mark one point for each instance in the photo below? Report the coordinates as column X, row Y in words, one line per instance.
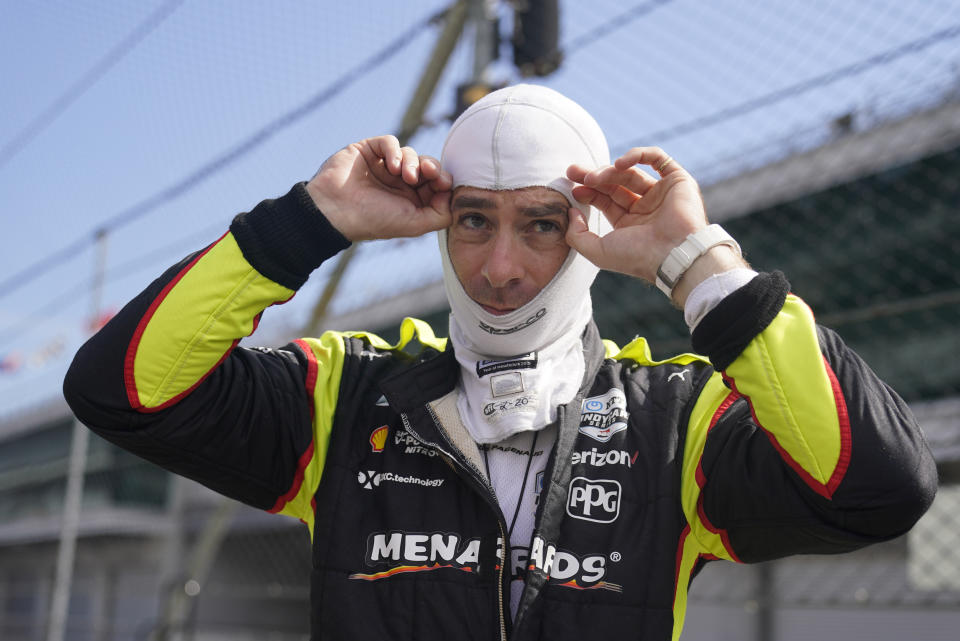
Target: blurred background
column 825, row 135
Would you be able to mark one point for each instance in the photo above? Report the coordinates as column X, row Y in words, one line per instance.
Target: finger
column 425, row 193
column 624, row 199
column 603, row 202
column 379, row 166
column 388, row 149
column 582, row 239
column 441, row 204
column 654, row 157
column 576, row 173
column 410, row 168
column 636, row 180
column 430, row 217
column 430, row 170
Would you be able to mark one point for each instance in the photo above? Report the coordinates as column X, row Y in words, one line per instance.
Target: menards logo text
column 421, row 552
column 401, row 552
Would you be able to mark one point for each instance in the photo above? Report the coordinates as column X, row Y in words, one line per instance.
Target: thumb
column 582, row 239
column 436, row 213
column 433, row 219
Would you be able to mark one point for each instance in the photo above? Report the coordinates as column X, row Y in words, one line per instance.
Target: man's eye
column 472, row 221
column 545, row 226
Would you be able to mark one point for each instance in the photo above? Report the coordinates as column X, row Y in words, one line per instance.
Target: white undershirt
column 507, row 466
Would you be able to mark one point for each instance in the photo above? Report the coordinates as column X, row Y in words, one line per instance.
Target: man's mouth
column 497, row 311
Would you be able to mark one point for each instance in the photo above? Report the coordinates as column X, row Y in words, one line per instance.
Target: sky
column 160, row 120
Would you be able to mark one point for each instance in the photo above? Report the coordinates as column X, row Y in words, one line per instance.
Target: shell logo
column 378, row 438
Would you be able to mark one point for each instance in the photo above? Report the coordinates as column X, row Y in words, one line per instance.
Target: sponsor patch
column 506, row 384
column 524, row 361
column 493, row 411
column 378, row 438
column 403, row 439
column 567, row 569
column 596, row 500
column 370, row 479
column 420, row 552
column 538, row 487
column 392, row 553
column 599, row 459
column 509, row 449
column 603, row 416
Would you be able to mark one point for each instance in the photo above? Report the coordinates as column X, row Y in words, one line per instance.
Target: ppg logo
column 596, row 500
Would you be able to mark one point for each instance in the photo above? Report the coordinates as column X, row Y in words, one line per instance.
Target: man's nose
column 503, row 262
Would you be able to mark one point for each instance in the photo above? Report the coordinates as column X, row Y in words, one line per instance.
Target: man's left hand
column 649, row 216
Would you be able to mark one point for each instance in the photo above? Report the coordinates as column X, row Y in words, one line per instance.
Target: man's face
column 505, row 246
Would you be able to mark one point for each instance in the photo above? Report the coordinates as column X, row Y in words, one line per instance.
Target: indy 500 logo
column 603, row 416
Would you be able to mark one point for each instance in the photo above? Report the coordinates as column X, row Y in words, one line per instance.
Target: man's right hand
column 376, row 189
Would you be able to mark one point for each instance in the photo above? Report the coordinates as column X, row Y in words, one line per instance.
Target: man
column 524, row 479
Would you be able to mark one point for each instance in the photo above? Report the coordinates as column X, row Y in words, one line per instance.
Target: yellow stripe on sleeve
column 792, row 394
column 195, row 322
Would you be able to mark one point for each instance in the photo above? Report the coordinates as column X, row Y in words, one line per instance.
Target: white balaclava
column 522, row 136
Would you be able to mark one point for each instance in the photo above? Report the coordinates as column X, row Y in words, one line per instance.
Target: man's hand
column 649, row 216
column 376, row 189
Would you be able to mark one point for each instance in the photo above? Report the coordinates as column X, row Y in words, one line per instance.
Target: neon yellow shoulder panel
column 202, row 313
column 795, row 397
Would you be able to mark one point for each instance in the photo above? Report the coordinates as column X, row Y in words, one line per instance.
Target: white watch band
column 682, row 256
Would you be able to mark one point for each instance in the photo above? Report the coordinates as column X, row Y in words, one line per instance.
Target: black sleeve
column 244, row 427
column 760, row 500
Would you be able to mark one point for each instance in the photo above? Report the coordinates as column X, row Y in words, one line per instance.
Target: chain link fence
column 826, row 139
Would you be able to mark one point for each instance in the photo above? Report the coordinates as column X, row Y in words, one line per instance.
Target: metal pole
column 452, row 29
column 485, row 39
column 68, row 533
column 766, row 601
column 412, row 118
column 74, row 492
column 181, row 601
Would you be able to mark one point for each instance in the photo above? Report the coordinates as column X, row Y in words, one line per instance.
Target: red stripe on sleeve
column 302, row 464
column 311, row 382
column 307, row 456
column 825, row 490
column 702, row 480
column 845, row 439
column 676, row 578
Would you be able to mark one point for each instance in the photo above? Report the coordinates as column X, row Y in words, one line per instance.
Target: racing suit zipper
column 482, row 485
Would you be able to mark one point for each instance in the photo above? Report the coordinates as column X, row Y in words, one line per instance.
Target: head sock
column 518, row 367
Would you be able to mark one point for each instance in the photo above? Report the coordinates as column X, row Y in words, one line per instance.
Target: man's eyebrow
column 473, row 202
column 546, row 209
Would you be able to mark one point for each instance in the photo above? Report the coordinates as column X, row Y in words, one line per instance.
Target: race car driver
column 522, row 479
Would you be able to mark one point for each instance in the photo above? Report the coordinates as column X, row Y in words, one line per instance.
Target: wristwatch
column 682, row 256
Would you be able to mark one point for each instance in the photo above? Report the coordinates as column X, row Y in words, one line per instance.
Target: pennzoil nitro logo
column 403, row 439
column 402, row 552
column 603, row 416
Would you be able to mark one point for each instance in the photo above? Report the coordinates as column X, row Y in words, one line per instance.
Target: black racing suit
column 783, row 442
